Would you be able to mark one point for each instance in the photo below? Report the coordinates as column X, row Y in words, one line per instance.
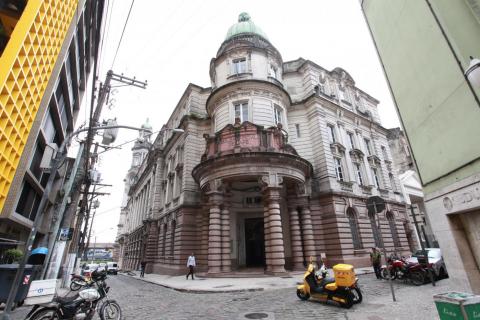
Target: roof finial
column 243, row 17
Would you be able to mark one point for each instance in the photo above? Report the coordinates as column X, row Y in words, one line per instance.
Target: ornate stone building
column 275, row 164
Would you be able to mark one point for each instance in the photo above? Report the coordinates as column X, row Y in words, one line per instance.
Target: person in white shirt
column 191, row 265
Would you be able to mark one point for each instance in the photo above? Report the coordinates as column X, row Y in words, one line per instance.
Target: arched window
column 393, row 229
column 375, row 230
column 172, row 237
column 352, row 221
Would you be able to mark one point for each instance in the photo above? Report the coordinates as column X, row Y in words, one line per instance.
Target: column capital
column 271, row 180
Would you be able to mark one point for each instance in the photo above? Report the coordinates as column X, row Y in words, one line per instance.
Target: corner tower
column 246, row 77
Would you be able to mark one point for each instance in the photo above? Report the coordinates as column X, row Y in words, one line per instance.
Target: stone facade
column 411, row 186
column 274, row 166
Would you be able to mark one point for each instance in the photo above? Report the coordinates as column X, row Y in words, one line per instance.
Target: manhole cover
column 256, row 315
column 240, row 299
column 286, row 277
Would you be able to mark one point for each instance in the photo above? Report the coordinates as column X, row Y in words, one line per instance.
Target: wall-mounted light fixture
column 473, row 72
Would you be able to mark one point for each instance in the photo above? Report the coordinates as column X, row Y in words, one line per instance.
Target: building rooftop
column 244, row 26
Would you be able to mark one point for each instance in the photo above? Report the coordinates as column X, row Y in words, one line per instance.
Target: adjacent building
column 273, row 165
column 411, row 187
column 47, row 49
column 425, row 48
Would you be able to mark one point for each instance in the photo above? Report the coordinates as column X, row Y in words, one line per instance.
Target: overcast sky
column 170, row 44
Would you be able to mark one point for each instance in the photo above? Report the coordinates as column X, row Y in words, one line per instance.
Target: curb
column 205, row 291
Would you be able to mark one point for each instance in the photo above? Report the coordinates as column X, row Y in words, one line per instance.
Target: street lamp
column 55, row 165
column 473, row 72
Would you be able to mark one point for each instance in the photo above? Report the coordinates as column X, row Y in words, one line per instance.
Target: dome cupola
column 244, row 25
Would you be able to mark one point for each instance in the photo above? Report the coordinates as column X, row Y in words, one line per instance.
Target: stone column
column 266, row 233
column 276, row 248
column 204, row 237
column 214, row 233
column 226, row 252
column 307, row 231
column 296, row 235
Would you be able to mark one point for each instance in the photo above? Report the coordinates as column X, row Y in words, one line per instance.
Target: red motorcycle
column 399, row 268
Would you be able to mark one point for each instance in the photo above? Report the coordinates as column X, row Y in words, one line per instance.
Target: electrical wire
column 124, row 143
column 123, row 31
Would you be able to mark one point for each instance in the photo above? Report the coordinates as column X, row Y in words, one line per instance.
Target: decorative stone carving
column 272, row 180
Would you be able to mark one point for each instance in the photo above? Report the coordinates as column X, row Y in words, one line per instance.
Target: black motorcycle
column 82, row 305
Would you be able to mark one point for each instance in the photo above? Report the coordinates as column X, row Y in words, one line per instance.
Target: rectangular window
column 375, row 176
column 338, row 169
column 241, row 111
column 297, row 128
column 392, row 182
column 272, row 71
column 239, row 66
column 29, row 201
column 351, row 140
column 384, row 153
column 68, row 69
column 61, row 107
column 331, row 133
column 35, row 164
column 358, row 172
column 49, row 128
column 277, row 110
column 368, row 146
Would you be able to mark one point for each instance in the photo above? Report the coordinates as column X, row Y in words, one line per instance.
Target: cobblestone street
column 140, row 300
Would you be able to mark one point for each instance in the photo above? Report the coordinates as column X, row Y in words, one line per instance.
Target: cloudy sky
column 170, row 44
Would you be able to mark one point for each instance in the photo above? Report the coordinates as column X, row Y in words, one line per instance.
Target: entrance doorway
column 254, row 242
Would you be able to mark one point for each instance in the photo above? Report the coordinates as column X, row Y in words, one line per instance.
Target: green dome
column 244, row 25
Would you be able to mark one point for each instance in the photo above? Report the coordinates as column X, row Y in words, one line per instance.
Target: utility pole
column 85, row 208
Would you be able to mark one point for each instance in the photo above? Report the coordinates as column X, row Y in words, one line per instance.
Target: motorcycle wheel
column 46, row 314
column 348, row 297
column 357, row 295
column 417, row 278
column 393, row 274
column 74, row 286
column 111, row 310
column 302, row 295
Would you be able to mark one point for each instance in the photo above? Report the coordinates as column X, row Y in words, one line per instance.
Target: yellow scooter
column 342, row 289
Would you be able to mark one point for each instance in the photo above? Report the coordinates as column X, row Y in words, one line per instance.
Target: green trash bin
column 457, row 306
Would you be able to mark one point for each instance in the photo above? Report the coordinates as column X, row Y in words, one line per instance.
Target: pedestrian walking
column 143, row 264
column 376, row 259
column 191, row 265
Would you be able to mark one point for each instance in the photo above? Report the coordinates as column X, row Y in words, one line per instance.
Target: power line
column 123, row 31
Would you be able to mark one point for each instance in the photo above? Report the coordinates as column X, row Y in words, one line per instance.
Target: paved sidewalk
column 214, row 284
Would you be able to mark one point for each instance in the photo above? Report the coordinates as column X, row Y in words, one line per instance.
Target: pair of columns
column 219, row 253
column 301, row 230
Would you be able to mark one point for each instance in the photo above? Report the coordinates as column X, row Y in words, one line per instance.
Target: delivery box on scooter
column 344, row 275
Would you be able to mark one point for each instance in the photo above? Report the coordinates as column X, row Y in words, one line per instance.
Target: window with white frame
column 241, row 111
column 272, row 71
column 331, row 133
column 368, row 146
column 297, row 129
column 392, row 182
column 351, row 140
column 358, row 173
column 376, row 178
column 277, row 111
column 240, row 65
column 339, row 169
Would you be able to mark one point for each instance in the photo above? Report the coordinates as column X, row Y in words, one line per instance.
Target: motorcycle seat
column 326, row 281
column 65, row 300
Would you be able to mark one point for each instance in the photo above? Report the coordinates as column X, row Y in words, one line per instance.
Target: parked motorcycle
column 399, row 268
column 77, row 282
column 82, row 305
column 343, row 289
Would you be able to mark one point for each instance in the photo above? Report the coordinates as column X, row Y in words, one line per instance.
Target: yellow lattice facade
column 25, row 69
